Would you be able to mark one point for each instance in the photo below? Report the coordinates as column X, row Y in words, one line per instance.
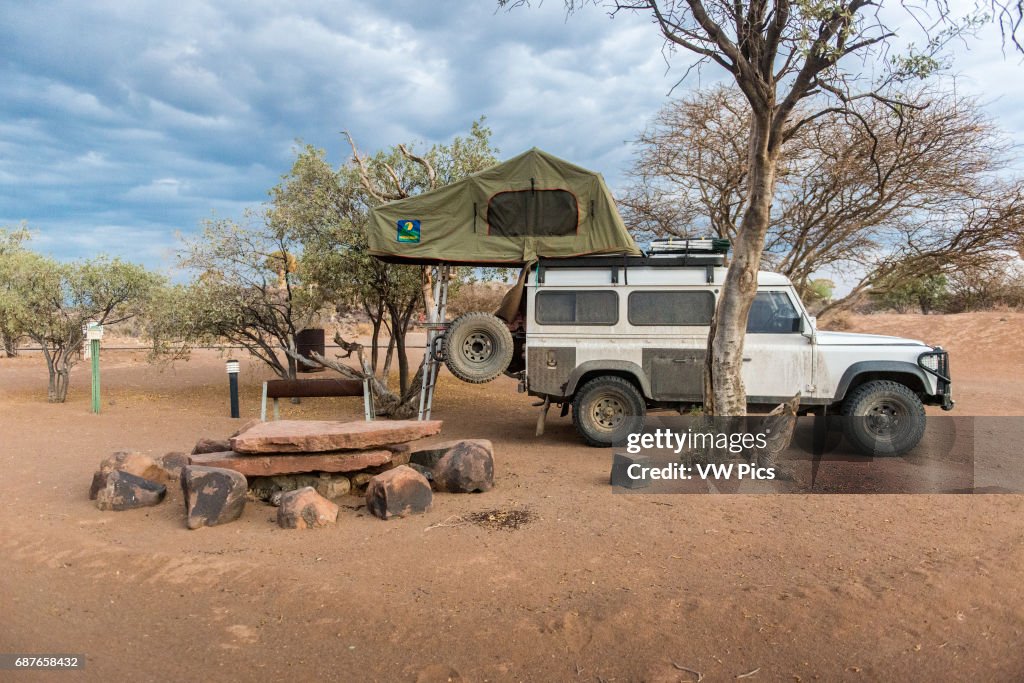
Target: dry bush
column 476, row 296
column 995, row 286
column 840, row 321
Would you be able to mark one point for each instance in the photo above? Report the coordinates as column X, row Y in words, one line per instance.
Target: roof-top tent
column 533, row 205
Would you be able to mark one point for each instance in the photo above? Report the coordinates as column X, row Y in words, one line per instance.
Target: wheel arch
column 907, row 374
column 586, row 371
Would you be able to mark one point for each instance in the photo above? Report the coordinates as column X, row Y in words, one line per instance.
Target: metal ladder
column 436, row 329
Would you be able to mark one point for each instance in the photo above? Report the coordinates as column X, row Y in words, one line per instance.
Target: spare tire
column 478, row 347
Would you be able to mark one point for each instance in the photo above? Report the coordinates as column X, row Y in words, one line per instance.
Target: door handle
column 747, row 360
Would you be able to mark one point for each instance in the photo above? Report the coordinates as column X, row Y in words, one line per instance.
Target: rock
column 99, row 480
column 125, row 461
column 428, row 456
column 263, row 488
column 467, row 467
column 431, row 454
column 171, row 464
column 212, row 495
column 312, row 436
column 621, row 463
column 246, row 427
column 400, row 453
column 269, row 465
column 124, row 491
column 398, row 492
column 332, row 485
column 211, row 446
column 427, row 473
column 305, row 509
column 399, row 458
column 361, row 479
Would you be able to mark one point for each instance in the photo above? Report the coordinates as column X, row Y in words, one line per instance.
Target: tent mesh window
column 578, row 308
column 533, row 213
column 671, row 308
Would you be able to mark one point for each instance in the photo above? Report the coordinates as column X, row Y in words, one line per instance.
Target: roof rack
column 707, row 261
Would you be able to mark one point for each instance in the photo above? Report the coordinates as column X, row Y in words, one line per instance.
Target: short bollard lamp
column 232, row 367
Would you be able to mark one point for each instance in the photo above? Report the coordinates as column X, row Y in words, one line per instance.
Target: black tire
column 477, row 347
column 607, row 409
column 883, row 418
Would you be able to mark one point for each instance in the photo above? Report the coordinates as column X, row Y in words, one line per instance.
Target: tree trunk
column 60, row 376
column 403, row 359
column 429, row 305
column 724, row 393
column 375, row 341
column 10, row 343
column 385, row 375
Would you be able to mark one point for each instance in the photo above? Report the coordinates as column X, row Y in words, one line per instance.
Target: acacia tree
column 52, row 301
column 327, row 210
column 249, row 289
column 910, row 191
column 794, row 61
column 11, row 242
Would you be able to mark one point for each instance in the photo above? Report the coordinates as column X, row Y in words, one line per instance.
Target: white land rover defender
column 611, row 337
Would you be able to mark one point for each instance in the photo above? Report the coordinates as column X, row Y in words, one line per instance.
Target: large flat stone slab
column 312, row 436
column 297, row 463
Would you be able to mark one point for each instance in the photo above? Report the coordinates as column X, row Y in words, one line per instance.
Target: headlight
column 935, row 362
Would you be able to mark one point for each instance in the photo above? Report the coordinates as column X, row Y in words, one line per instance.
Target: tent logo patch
column 408, row 231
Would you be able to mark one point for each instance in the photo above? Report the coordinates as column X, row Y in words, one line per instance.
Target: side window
column 671, row 308
column 773, row 313
column 532, row 213
column 577, row 308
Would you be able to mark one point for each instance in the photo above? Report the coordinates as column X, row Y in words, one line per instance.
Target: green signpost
column 93, row 335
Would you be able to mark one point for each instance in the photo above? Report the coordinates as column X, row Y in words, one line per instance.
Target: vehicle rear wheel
column 883, row 418
column 478, row 347
column 606, row 410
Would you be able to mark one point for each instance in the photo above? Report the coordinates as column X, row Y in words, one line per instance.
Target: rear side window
column 578, row 308
column 671, row 308
column 533, row 213
column 772, row 313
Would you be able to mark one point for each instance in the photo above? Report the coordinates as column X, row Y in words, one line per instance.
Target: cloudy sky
column 124, row 123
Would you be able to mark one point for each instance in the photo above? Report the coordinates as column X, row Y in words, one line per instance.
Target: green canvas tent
column 532, row 205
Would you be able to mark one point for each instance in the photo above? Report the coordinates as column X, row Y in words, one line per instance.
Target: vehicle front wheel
column 606, row 410
column 883, row 418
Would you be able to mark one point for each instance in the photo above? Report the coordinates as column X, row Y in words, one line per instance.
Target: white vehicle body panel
column 776, row 365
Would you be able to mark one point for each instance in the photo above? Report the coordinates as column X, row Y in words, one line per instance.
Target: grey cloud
column 123, row 122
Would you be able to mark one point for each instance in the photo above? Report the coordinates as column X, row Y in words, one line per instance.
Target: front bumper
column 936, row 363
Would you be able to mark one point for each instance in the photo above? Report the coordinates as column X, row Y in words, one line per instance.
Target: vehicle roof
column 567, row 276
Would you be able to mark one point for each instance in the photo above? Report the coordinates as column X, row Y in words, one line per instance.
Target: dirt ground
column 595, row 587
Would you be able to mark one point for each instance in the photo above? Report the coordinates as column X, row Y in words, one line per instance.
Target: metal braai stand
column 437, row 326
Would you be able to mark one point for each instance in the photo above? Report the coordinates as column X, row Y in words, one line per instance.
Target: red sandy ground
column 599, row 587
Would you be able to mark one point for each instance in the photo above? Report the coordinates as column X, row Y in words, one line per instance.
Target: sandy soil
column 597, row 587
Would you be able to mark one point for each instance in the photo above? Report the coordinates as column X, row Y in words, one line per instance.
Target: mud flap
column 542, row 418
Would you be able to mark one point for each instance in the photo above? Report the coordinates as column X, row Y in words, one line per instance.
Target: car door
column 777, row 355
column 674, row 324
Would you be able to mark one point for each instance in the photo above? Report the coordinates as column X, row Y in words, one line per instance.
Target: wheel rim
column 885, row 418
column 608, row 412
column 478, row 347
